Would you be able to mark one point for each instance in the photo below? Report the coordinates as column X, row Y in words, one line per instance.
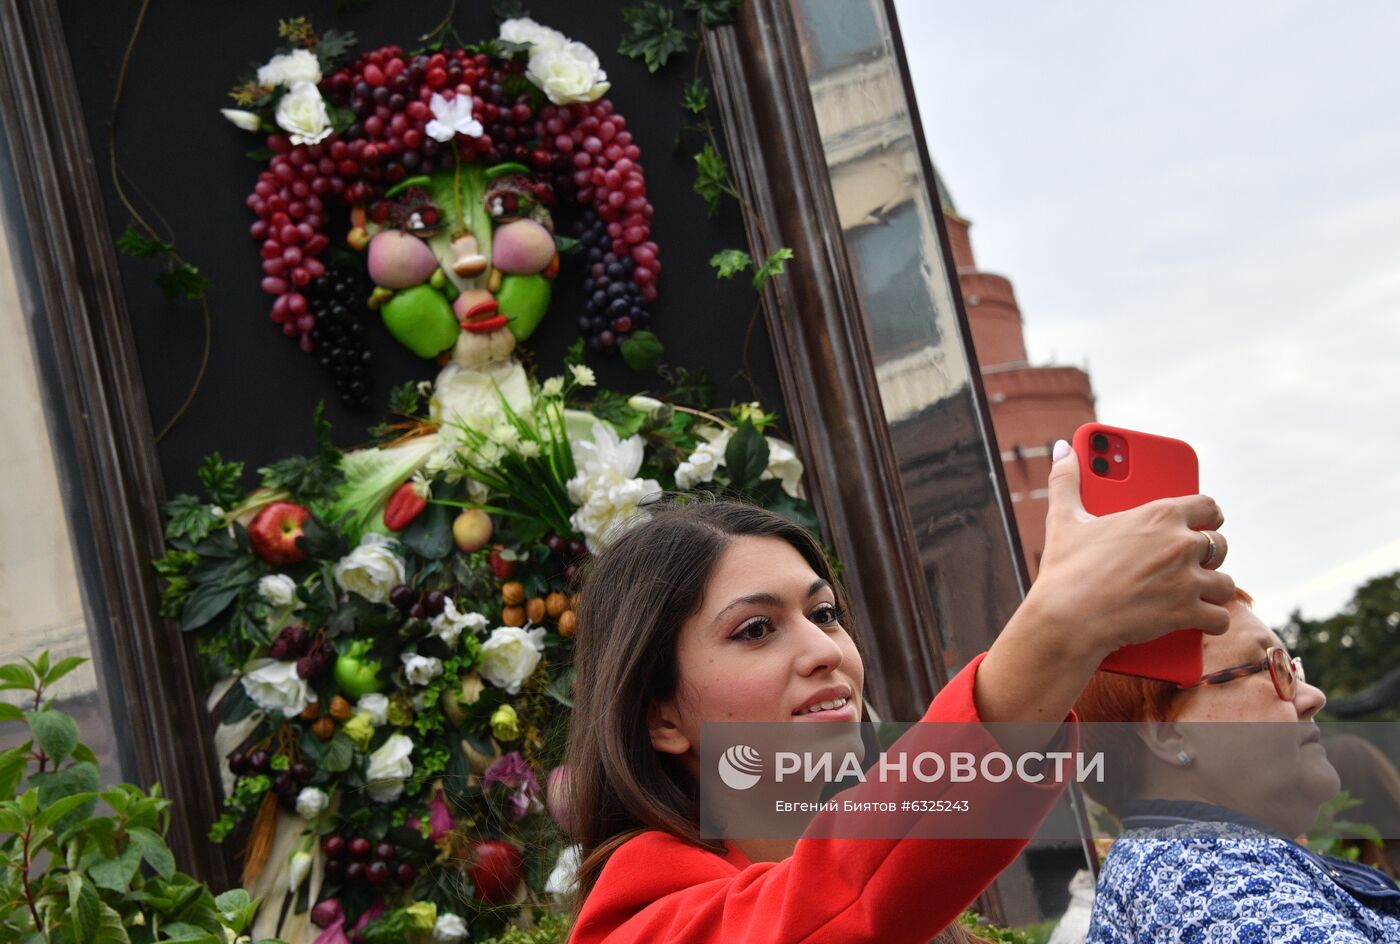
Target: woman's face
column 767, row 644
column 1276, row 772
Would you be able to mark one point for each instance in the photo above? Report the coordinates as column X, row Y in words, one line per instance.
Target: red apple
column 496, row 871
column 274, row 533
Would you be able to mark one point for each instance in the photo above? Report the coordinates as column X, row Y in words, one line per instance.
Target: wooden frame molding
column 823, row 355
column 106, row 409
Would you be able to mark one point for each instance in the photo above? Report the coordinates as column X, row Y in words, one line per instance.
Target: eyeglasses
column 1287, row 673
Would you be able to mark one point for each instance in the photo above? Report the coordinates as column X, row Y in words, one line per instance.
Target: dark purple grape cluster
column 357, row 859
column 286, row 783
column 416, row 604
column 339, row 300
column 312, row 653
column 613, row 304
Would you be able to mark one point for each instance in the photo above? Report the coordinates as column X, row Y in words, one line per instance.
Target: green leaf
column 333, row 46
column 236, row 907
column 188, row 517
column 55, row 732
column 189, row 934
column 430, row 534
column 182, row 281
column 309, row 479
column 83, row 908
column 12, row 765
column 205, row 603
column 320, row 541
column 652, row 35
column 55, row 811
column 62, row 667
column 565, row 244
column 574, row 355
column 692, row 388
column 404, row 399
column 133, row 243
column 9, row 712
column 730, row 262
column 220, row 480
column 772, row 266
column 154, row 851
column 16, row 676
column 81, row 779
column 711, row 177
column 713, row 12
column 642, row 350
column 110, row 929
column 696, row 97
column 262, row 155
column 115, row 873
column 339, row 755
column 746, row 456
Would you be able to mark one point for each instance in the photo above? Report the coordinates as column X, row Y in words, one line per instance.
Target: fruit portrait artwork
column 385, row 632
column 452, row 166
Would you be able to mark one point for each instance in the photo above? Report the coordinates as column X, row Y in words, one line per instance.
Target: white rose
column 275, row 686
column 563, row 879
column 298, row 867
column 388, row 768
column 290, row 68
column 376, row 706
column 302, row 114
column 783, row 464
column 449, row 929
column 568, row 74
column 278, row 589
column 312, row 802
column 510, row 655
column 525, row 30
column 449, row 623
column 420, row 669
column 245, row 120
column 371, row 570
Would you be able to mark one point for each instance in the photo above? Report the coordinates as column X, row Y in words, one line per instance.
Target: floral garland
column 450, row 163
column 388, row 633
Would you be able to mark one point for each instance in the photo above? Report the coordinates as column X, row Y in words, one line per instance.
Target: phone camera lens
column 1100, row 442
column 1100, row 465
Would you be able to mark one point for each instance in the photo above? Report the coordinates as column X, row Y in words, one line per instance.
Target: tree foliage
column 1352, row 650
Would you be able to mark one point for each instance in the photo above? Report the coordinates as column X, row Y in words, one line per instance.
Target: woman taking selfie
column 721, row 612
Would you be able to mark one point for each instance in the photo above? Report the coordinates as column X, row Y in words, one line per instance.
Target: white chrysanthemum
column 541, row 38
column 299, row 65
column 701, row 464
column 606, row 488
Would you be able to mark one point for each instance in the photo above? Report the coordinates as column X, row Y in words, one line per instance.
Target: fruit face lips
column 524, row 299
column 421, row 320
column 274, row 532
column 478, row 311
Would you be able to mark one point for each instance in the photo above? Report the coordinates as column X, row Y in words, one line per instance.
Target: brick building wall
column 1032, row 406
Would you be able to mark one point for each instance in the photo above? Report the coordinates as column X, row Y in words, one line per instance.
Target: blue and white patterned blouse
column 1195, row 878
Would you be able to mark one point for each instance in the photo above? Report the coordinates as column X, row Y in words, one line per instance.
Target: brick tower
column 1032, row 406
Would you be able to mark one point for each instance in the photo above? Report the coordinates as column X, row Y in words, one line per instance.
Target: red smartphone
column 1121, row 469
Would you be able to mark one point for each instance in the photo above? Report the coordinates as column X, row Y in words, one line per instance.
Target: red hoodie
column 656, row 888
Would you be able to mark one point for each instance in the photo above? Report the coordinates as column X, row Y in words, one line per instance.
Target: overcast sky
column 1200, row 202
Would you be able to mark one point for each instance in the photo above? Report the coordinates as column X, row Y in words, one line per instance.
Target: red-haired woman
column 1210, row 810
column 724, row 612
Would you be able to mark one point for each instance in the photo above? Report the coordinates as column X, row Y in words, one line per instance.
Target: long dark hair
column 633, row 602
column 635, row 597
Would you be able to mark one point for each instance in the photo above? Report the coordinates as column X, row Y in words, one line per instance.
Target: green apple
column 355, row 675
column 523, row 299
column 421, row 319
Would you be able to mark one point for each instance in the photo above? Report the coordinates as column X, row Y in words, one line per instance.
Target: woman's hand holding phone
column 1104, row 582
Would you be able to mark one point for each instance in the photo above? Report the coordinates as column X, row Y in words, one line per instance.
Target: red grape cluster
column 592, row 150
column 584, row 150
